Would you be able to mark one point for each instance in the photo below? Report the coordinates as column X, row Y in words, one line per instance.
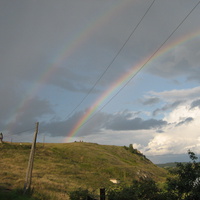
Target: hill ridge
column 72, row 165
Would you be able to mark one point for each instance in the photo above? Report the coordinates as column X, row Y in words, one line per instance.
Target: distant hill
column 169, row 165
column 60, row 168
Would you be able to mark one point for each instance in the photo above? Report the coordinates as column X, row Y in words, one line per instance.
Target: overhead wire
column 11, row 135
column 112, row 61
column 104, row 72
column 155, row 52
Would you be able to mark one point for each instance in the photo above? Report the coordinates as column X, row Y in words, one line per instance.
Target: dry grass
column 61, row 168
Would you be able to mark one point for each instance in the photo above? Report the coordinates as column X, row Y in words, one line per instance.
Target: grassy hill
column 61, row 168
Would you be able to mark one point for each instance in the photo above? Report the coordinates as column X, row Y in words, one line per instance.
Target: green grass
column 62, row 168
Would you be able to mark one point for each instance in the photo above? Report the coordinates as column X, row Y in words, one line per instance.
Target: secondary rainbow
column 125, row 78
column 68, row 49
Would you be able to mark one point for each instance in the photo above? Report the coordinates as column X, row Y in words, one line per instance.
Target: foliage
column 185, row 184
column 60, row 168
column 79, row 194
column 143, row 189
column 134, row 151
column 15, row 194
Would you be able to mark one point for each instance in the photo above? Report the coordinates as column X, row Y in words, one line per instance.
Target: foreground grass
column 16, row 194
column 61, row 168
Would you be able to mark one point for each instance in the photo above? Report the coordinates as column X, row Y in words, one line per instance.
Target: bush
column 144, row 189
column 79, row 194
column 15, row 194
column 185, row 184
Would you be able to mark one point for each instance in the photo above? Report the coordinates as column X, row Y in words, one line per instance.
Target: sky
column 103, row 71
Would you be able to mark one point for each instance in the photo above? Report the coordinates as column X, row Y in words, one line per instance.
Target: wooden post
column 27, row 184
column 1, row 137
column 102, row 194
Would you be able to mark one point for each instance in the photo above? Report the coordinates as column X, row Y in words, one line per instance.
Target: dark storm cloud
column 115, row 122
column 27, row 115
column 64, row 46
column 185, row 121
column 63, row 128
column 69, row 80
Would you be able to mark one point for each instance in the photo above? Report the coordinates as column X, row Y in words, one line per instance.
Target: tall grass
column 62, row 168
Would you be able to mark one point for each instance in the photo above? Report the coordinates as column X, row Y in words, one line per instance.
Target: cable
column 24, row 131
column 17, row 134
column 155, row 52
column 112, row 61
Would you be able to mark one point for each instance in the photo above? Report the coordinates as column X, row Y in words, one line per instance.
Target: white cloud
column 176, row 139
column 177, row 95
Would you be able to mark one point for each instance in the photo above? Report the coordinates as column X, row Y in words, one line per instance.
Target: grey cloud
column 69, row 44
column 100, row 121
column 26, row 115
column 195, row 103
column 60, row 128
column 159, row 131
column 69, row 80
column 182, row 61
column 63, row 128
column 186, row 121
column 121, row 123
column 166, row 107
column 150, row 101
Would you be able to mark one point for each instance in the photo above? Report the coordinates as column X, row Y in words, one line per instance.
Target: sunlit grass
column 61, row 168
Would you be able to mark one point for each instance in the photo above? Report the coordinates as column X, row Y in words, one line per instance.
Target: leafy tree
column 185, row 184
column 143, row 189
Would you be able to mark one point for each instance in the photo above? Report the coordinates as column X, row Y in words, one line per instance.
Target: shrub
column 185, row 184
column 79, row 194
column 144, row 189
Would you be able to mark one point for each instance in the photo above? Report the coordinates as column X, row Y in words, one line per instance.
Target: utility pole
column 27, row 184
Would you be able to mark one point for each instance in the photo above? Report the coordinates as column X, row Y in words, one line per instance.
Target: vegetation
column 60, row 169
column 183, row 185
column 77, row 170
column 16, row 194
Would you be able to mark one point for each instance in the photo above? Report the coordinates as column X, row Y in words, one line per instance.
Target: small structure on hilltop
column 1, row 137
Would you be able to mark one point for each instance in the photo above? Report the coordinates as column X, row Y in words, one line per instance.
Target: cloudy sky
column 104, row 71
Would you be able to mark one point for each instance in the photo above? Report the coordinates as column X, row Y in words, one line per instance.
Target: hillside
column 60, row 168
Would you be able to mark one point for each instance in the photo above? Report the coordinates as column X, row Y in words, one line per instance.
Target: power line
column 24, row 131
column 112, row 61
column 11, row 135
column 155, row 52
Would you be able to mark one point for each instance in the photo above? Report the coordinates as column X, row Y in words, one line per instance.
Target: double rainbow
column 126, row 78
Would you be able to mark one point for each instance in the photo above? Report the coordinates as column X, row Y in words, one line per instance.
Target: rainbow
column 125, row 78
column 68, row 50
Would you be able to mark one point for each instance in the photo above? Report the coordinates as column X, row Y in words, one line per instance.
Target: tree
column 143, row 189
column 185, row 184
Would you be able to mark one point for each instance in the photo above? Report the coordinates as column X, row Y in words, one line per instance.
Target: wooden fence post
column 102, row 194
column 1, row 137
column 27, row 184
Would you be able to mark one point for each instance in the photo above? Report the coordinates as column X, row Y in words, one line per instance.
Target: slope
column 60, row 168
